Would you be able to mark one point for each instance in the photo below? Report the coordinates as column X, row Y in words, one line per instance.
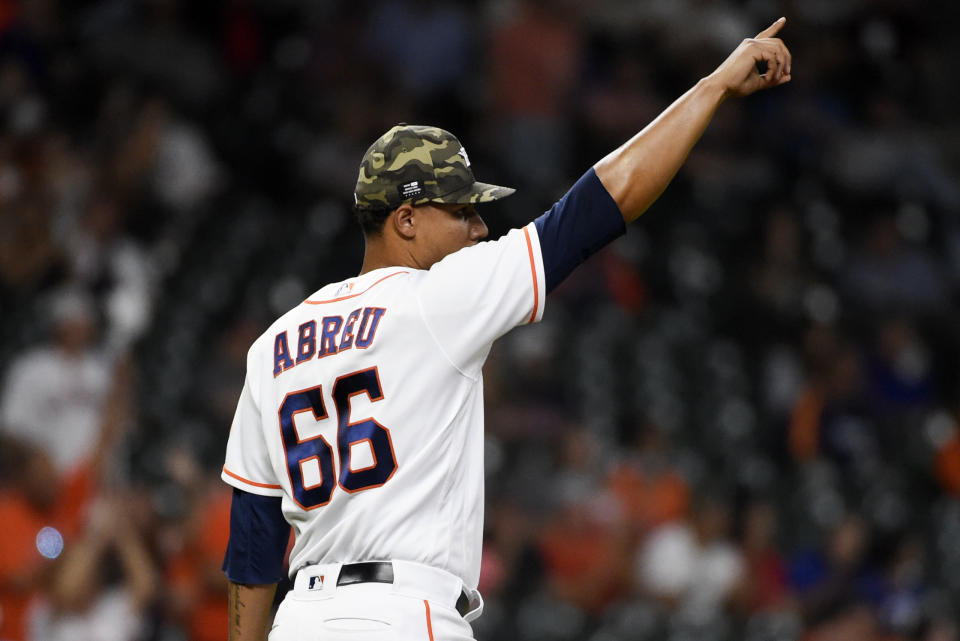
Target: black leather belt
column 382, row 572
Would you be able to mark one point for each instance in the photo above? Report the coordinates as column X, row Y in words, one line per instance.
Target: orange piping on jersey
column 429, row 622
column 254, row 483
column 336, row 300
column 533, row 271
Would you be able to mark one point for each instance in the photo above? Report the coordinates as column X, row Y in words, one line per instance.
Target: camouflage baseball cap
column 419, row 164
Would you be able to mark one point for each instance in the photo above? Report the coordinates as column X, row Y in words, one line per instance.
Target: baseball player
column 360, row 423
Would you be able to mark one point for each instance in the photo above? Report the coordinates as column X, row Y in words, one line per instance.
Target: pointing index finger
column 772, row 30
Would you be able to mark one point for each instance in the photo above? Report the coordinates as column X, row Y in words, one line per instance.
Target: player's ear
column 404, row 221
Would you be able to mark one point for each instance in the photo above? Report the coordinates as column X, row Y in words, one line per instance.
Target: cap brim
column 478, row 192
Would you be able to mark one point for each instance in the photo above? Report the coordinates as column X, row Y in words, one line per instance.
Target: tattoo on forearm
column 235, row 605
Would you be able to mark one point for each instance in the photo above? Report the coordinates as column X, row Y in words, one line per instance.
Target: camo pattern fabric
column 419, row 164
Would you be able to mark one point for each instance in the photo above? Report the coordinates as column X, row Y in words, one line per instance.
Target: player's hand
column 739, row 73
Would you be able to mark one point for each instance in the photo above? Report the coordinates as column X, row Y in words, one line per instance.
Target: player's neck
column 369, row 266
column 378, row 255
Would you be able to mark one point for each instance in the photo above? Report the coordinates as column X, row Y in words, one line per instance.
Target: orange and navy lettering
column 281, row 354
column 328, row 336
column 350, row 433
column 307, row 341
column 311, row 462
column 336, row 335
column 346, row 340
column 300, row 451
column 368, row 328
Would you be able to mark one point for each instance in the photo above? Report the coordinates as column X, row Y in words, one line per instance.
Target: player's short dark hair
column 372, row 220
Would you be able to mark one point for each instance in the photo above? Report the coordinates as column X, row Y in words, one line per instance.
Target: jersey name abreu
column 363, row 407
column 337, row 334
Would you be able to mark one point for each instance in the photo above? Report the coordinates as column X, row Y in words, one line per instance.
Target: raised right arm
column 637, row 172
column 623, row 184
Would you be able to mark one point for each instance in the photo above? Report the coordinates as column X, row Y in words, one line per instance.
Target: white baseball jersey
column 363, row 407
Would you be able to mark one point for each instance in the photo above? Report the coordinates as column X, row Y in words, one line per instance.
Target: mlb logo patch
column 316, row 583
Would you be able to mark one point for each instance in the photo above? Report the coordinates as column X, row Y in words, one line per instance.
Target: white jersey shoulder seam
column 433, row 337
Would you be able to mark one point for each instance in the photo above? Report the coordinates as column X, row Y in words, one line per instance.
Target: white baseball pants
column 418, row 606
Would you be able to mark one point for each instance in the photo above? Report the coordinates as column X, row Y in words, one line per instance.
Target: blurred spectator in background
column 54, row 394
column 43, row 505
column 105, row 582
column 437, row 68
column 837, row 585
column 900, row 370
column 764, row 584
column 29, row 258
column 830, row 416
column 942, row 628
column 585, row 550
column 41, row 511
column 512, row 565
column 781, row 279
column 887, row 152
column 650, row 490
column 214, row 396
column 624, row 94
column 887, row 274
column 102, row 259
column 535, row 53
column 858, row 622
column 692, row 566
column 152, row 42
column 197, row 598
column 903, row 607
column 944, row 435
column 165, row 155
column 585, row 545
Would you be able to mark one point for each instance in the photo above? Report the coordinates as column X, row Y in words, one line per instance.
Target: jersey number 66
column 302, row 452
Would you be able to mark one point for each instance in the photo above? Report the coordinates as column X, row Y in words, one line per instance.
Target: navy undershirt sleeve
column 258, row 539
column 579, row 225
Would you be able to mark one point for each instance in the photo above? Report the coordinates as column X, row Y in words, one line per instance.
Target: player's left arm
column 254, row 562
column 249, row 610
column 638, row 171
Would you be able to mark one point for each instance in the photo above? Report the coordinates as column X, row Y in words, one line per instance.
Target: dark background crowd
column 739, row 421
